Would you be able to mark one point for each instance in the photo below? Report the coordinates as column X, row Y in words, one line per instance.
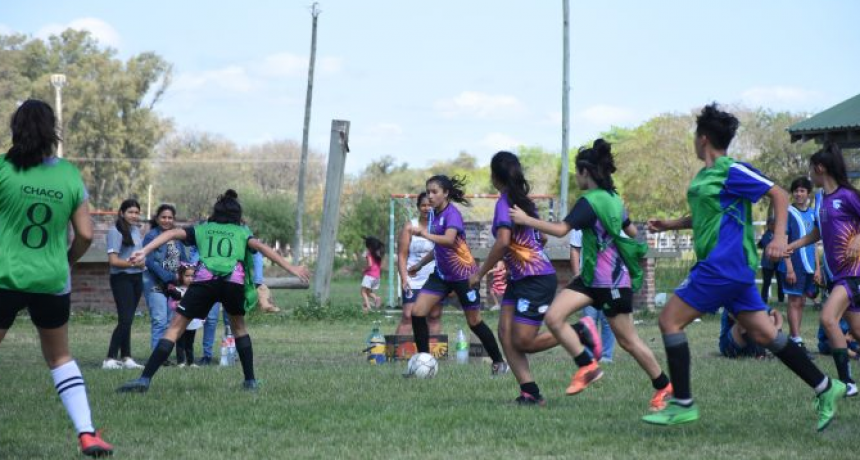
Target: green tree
column 110, row 125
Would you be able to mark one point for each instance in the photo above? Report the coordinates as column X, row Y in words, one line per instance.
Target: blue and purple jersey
column 455, row 263
column 525, row 255
column 838, row 217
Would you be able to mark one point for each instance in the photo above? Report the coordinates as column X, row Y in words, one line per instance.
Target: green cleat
column 673, row 414
column 825, row 403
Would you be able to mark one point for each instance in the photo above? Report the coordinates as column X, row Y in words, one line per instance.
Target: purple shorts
column 852, row 287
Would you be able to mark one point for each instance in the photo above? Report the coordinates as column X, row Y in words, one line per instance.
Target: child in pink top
column 372, row 273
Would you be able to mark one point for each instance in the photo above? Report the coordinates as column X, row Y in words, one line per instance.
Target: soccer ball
column 423, row 366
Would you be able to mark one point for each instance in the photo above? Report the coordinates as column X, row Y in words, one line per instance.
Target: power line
column 189, row 160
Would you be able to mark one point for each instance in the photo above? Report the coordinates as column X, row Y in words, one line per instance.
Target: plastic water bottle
column 375, row 346
column 228, row 347
column 462, row 348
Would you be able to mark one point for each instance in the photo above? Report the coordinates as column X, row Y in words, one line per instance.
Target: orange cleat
column 584, row 377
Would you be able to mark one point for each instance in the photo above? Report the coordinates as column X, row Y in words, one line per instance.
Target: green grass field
column 320, row 399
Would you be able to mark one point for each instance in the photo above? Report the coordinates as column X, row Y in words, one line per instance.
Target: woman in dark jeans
column 126, row 283
column 769, row 268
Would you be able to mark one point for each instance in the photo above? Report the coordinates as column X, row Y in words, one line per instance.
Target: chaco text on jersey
column 42, row 192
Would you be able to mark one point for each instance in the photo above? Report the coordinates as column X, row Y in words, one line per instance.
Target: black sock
column 843, row 368
column 156, row 359
column 246, row 355
column 488, row 340
column 678, row 356
column 660, row 382
column 421, row 334
column 796, row 359
column 583, row 359
column 530, row 388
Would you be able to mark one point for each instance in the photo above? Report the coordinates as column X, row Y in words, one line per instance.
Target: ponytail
column 831, row 159
column 454, row 185
column 599, row 163
column 508, row 172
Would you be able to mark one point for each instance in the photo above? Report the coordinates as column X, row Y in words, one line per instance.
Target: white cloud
column 606, row 115
column 101, row 30
column 292, row 65
column 499, row 141
column 234, row 79
column 382, row 133
column 282, row 65
column 6, row 30
column 769, row 96
column 473, row 104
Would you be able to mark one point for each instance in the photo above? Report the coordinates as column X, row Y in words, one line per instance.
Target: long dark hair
column 453, row 185
column 421, row 197
column 830, row 158
column 122, row 225
column 718, row 126
column 227, row 209
column 508, row 172
column 153, row 222
column 599, row 163
column 374, row 247
column 34, row 134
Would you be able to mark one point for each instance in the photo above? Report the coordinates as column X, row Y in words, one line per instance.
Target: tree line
column 122, row 146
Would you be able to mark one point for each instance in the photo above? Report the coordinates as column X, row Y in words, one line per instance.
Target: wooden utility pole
column 565, row 109
column 303, row 166
column 338, row 147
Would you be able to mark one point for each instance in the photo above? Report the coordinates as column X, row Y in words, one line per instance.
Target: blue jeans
column 209, row 329
column 606, row 335
column 159, row 314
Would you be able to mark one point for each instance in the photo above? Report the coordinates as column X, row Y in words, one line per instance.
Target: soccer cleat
column 660, row 398
column 111, row 363
column 850, row 389
column 92, row 445
column 129, row 363
column 825, row 403
column 584, row 377
column 526, row 399
column 673, row 414
column 500, row 368
column 205, row 361
column 590, row 336
column 139, row 385
column 251, row 385
column 180, row 365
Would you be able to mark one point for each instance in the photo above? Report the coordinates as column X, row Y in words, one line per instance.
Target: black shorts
column 531, row 297
column 612, row 301
column 198, row 300
column 470, row 299
column 47, row 311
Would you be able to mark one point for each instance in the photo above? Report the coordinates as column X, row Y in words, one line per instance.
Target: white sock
column 822, row 386
column 73, row 392
column 797, row 339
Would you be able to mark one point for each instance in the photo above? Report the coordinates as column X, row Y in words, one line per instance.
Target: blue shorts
column 804, row 286
column 707, row 292
column 730, row 349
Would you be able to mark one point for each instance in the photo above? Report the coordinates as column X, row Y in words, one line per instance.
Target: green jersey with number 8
column 35, row 208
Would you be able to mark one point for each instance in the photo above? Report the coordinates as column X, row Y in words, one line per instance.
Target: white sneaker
column 111, row 364
column 129, row 363
column 851, row 390
column 180, row 365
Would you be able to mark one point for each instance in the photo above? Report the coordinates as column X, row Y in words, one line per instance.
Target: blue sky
column 422, row 81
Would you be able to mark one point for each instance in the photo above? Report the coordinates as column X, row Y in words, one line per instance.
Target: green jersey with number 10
column 35, row 208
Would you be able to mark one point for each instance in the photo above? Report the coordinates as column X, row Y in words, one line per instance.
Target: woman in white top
column 411, row 249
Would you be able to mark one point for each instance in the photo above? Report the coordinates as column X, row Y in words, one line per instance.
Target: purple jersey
column 525, row 255
column 839, row 222
column 455, row 263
